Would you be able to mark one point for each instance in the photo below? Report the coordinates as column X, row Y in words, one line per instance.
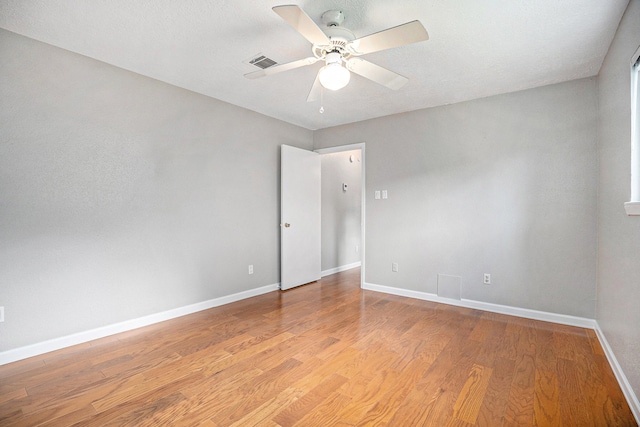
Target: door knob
column 287, row 225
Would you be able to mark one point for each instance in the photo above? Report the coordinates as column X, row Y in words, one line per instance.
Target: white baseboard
column 82, row 337
column 339, row 269
column 527, row 313
column 486, row 306
column 564, row 319
column 631, row 397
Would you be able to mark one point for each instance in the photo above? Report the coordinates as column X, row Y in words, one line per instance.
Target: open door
column 300, row 249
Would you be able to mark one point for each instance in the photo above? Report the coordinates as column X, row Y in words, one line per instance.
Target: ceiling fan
column 340, row 50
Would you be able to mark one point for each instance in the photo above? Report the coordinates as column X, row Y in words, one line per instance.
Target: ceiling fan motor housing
column 333, row 18
column 339, row 39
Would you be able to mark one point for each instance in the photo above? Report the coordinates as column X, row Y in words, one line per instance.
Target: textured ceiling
column 477, row 48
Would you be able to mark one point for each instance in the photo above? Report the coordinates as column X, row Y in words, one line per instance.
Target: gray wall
column 618, row 308
column 341, row 214
column 503, row 185
column 121, row 196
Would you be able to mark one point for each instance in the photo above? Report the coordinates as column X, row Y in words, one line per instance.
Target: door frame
column 358, row 146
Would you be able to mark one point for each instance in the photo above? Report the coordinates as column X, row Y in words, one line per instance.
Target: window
column 633, row 206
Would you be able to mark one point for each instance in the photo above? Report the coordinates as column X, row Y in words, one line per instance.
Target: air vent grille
column 262, row 62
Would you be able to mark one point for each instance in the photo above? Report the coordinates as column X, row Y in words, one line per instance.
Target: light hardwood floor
column 325, row 354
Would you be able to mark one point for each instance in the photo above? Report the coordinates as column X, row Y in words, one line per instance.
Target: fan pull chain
column 321, row 99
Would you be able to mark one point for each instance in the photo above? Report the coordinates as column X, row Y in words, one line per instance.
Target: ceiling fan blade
column 301, row 22
column 282, row 67
column 314, row 93
column 411, row 32
column 376, row 73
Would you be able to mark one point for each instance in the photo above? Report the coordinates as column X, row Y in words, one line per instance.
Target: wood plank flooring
column 325, row 354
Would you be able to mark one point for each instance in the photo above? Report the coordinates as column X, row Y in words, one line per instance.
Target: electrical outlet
column 385, row 195
column 1, row 314
column 376, row 194
column 487, row 279
column 251, row 269
column 394, row 267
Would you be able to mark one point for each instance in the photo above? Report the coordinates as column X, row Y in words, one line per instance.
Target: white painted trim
column 527, row 313
column 632, row 208
column 340, row 148
column 340, row 269
column 85, row 336
column 486, row 306
column 631, row 397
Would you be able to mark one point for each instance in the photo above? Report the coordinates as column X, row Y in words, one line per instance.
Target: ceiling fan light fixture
column 340, row 48
column 334, row 76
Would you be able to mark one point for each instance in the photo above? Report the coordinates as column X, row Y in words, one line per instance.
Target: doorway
column 343, row 209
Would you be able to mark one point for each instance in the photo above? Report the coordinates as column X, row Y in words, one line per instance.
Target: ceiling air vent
column 262, row 62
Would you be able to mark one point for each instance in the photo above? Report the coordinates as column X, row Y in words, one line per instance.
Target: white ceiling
column 477, row 48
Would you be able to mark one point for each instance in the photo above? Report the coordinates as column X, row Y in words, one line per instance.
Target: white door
column 300, row 248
